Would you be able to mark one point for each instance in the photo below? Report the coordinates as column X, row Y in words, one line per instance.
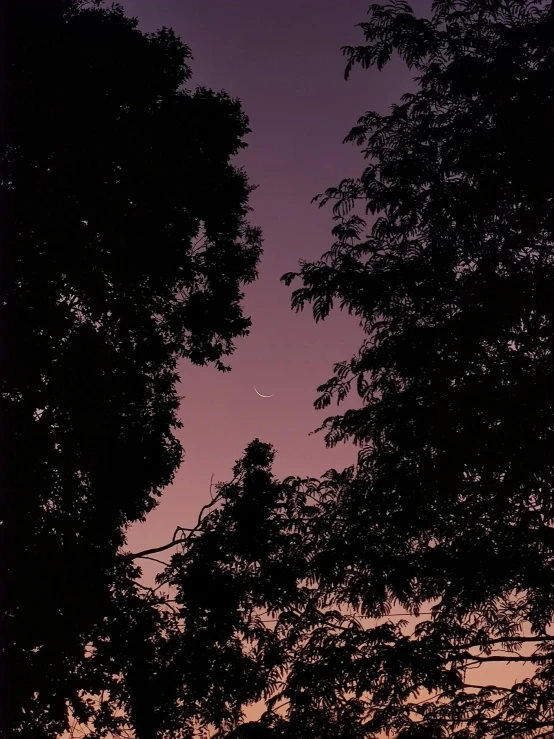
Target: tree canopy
column 287, row 591
column 452, row 500
column 129, row 245
column 447, row 515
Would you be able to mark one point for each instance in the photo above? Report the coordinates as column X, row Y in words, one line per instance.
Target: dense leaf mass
column 452, row 501
column 453, row 286
column 287, row 586
column 128, row 248
column 357, row 605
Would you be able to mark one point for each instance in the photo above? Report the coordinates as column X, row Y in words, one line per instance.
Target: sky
column 283, row 61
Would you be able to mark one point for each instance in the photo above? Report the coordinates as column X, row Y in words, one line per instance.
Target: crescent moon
column 262, row 396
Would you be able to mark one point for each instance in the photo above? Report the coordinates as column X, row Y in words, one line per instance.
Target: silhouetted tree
column 448, row 514
column 453, row 498
column 128, row 247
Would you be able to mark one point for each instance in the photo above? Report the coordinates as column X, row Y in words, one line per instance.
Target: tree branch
column 506, row 640
column 507, row 658
column 155, row 550
column 153, row 559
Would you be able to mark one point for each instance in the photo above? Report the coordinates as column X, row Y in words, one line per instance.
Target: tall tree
column 453, row 501
column 128, row 248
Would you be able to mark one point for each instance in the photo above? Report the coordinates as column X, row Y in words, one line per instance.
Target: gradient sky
column 283, row 60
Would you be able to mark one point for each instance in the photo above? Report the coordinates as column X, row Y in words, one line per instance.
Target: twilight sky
column 283, row 60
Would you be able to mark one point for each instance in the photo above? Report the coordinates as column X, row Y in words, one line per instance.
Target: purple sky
column 283, row 60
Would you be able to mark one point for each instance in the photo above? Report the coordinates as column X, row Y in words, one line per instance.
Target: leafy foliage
column 452, row 500
column 128, row 249
column 285, row 594
column 288, row 591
